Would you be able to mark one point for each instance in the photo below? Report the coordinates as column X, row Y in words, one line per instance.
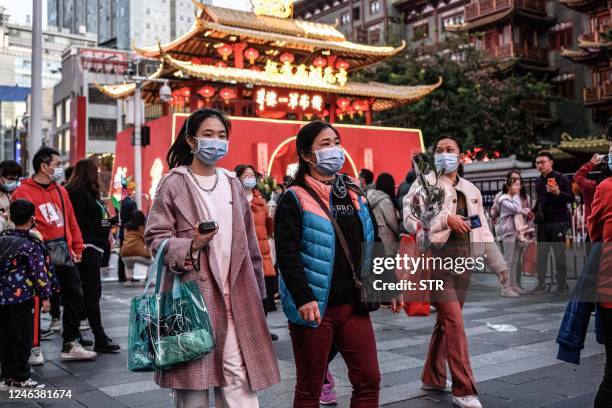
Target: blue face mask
column 447, row 161
column 329, row 160
column 10, row 186
column 249, row 183
column 610, row 161
column 211, row 150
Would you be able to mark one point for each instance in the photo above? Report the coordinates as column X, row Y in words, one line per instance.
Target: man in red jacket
column 57, row 224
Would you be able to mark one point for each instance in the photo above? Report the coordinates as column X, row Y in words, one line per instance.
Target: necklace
column 198, row 184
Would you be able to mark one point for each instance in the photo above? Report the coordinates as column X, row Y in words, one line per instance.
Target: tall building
column 527, row 37
column 594, row 51
column 367, row 22
column 426, row 21
column 16, row 63
column 119, row 23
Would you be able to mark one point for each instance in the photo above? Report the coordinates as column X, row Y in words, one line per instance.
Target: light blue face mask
column 210, row 149
column 329, row 160
column 10, row 186
column 249, row 183
column 610, row 161
column 58, row 174
column 447, row 161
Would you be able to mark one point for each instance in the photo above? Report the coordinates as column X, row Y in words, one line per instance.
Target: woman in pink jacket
column 453, row 234
column 225, row 262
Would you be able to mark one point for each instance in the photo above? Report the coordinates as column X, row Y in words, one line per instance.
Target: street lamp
column 165, row 94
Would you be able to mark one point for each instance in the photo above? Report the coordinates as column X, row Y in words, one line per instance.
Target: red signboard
column 378, row 148
column 78, row 129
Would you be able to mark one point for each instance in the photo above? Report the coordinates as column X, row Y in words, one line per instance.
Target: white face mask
column 58, row 174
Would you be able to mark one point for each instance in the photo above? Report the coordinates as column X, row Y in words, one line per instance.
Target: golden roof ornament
column 273, row 8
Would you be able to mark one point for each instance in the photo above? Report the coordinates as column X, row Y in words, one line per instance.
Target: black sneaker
column 539, row 290
column 85, row 342
column 106, row 345
column 562, row 290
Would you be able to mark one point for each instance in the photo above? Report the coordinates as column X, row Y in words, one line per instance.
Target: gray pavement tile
column 98, row 399
column 145, row 398
column 581, row 401
column 537, row 399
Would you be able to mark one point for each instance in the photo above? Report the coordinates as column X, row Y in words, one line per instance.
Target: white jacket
column 482, row 242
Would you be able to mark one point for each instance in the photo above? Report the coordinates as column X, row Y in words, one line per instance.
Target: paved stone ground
column 517, row 370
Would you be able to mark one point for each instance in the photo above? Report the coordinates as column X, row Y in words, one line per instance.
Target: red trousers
column 353, row 336
column 448, row 342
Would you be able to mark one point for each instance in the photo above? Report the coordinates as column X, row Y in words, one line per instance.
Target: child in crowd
column 25, row 273
column 134, row 250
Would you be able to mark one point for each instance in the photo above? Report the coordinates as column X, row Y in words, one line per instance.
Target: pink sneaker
column 328, row 395
column 330, row 378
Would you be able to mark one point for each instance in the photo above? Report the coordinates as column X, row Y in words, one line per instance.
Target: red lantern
column 251, row 54
column 227, row 94
column 225, row 50
column 287, row 57
column 221, row 64
column 343, row 103
column 342, row 64
column 319, row 62
column 361, row 106
column 207, row 91
column 196, row 61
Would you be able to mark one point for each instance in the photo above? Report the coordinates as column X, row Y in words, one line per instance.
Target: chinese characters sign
column 294, row 101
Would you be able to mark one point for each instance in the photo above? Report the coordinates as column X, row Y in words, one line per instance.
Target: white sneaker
column 3, row 386
column 74, row 351
column 29, row 383
column 469, row 401
column 429, row 387
column 84, row 325
column 508, row 292
column 56, row 325
column 36, row 357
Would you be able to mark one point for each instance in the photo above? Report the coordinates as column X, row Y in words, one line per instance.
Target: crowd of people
column 300, row 243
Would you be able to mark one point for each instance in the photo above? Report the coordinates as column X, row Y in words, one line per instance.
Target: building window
column 356, row 14
column 456, row 19
column 420, row 32
column 561, row 39
column 58, row 115
column 345, row 19
column 374, row 7
column 565, row 89
column 148, row 26
column 102, row 129
column 97, row 97
column 375, row 36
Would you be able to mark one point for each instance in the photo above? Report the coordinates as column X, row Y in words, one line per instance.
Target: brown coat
column 174, row 215
column 264, row 228
column 134, row 244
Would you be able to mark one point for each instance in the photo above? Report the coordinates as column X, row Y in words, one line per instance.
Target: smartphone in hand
column 207, row 226
column 474, row 221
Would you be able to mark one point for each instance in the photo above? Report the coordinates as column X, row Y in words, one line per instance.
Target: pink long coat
column 174, row 215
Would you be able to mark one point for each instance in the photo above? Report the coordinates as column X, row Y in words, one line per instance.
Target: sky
column 19, row 9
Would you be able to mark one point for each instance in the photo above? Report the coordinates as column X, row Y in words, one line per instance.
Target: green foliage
column 474, row 104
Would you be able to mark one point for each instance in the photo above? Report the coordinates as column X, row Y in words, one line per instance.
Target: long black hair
column 303, row 145
column 386, row 183
column 139, row 219
column 508, row 183
column 180, row 152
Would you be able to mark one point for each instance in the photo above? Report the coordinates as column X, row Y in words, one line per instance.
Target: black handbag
column 58, row 248
column 360, row 307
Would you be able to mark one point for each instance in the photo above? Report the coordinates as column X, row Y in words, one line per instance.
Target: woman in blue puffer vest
column 316, row 282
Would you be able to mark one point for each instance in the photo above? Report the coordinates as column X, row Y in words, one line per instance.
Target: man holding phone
column 554, row 193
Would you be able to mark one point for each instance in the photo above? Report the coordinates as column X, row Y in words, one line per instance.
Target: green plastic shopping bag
column 168, row 328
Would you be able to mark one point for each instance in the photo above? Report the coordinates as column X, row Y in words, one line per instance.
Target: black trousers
column 120, row 265
column 603, row 399
column 16, row 333
column 56, row 303
column 551, row 236
column 71, row 293
column 89, row 271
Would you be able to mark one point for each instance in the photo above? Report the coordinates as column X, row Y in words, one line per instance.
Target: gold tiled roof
column 245, row 19
column 584, row 145
column 578, row 55
column 582, row 43
column 386, row 96
column 400, row 94
column 117, row 91
column 216, row 23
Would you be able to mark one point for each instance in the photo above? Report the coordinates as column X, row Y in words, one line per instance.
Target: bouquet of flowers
column 427, row 201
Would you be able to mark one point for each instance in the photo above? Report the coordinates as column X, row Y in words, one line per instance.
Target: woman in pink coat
column 225, row 262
